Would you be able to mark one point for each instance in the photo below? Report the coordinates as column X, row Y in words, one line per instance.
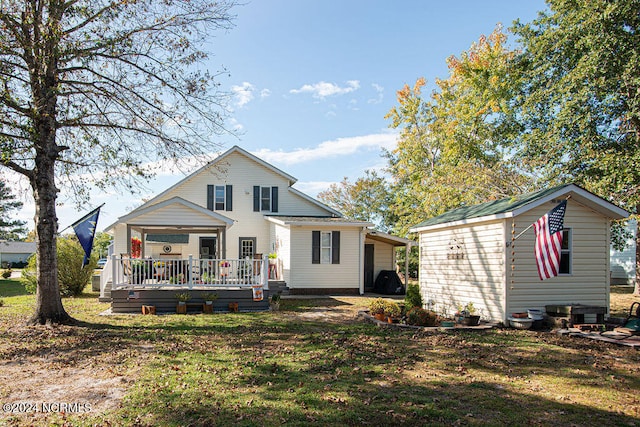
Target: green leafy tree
column 10, row 229
column 72, row 275
column 101, row 244
column 88, row 87
column 367, row 199
column 580, row 73
column 453, row 148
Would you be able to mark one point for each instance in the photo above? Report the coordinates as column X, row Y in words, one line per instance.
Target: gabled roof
column 145, row 209
column 514, row 206
column 220, row 158
column 11, row 247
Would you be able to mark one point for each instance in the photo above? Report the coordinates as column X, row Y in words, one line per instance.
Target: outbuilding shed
column 15, row 252
column 470, row 255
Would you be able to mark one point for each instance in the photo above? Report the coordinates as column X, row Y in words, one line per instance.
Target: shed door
column 368, row 266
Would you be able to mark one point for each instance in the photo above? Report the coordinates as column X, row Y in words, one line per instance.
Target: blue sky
column 311, row 81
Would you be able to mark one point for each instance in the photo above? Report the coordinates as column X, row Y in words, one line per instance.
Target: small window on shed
column 565, row 252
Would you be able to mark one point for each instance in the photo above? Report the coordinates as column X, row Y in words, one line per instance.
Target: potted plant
column 209, row 298
column 467, row 315
column 177, row 279
column 377, row 308
column 207, row 277
column 272, row 257
column 182, row 302
column 391, row 310
column 274, row 302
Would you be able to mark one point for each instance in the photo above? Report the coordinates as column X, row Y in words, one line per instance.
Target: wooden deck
column 165, row 301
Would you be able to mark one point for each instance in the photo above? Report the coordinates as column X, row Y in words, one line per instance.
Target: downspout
column 407, row 250
column 363, row 232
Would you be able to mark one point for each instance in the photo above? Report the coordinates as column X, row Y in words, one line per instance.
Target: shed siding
column 307, row 275
column 472, row 273
column 588, row 282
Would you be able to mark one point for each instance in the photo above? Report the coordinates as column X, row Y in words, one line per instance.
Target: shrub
column 6, row 274
column 376, row 306
column 72, row 276
column 413, row 298
column 420, row 317
column 391, row 308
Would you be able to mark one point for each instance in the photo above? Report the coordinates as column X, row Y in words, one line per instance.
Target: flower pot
column 233, row 307
column 471, row 320
column 389, row 319
column 148, row 309
column 379, row 316
column 207, row 307
column 181, row 308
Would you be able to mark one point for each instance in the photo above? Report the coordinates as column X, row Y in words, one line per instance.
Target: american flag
column 549, row 241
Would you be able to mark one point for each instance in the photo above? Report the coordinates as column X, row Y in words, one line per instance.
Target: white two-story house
column 240, row 207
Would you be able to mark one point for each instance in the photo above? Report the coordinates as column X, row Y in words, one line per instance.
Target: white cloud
column 243, row 94
column 312, row 188
column 380, row 94
column 323, row 89
column 265, row 93
column 328, row 149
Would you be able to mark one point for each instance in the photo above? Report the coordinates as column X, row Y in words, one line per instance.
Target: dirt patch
column 32, row 386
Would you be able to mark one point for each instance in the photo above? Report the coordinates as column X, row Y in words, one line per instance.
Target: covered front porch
column 176, row 247
column 131, row 283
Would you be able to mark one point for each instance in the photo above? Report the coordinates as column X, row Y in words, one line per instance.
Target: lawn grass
column 281, row 368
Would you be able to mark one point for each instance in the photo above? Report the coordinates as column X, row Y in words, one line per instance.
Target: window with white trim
column 219, row 197
column 565, row 252
column 325, row 247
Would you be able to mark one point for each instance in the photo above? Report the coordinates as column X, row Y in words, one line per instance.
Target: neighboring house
column 15, row 252
column 467, row 254
column 623, row 263
column 239, row 206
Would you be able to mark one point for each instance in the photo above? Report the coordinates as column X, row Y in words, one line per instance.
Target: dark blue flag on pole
column 85, row 230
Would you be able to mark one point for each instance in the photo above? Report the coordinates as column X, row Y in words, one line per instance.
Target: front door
column 208, row 247
column 247, row 246
column 368, row 267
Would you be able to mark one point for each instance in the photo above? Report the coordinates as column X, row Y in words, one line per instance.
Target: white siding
column 474, row 272
column 588, row 282
column 623, row 263
column 305, row 274
column 242, row 173
column 283, row 249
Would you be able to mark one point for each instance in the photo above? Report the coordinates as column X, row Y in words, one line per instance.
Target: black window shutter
column 335, row 247
column 315, row 247
column 229, row 206
column 274, row 199
column 210, row 197
column 256, row 198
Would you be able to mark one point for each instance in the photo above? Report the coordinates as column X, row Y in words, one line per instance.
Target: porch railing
column 157, row 273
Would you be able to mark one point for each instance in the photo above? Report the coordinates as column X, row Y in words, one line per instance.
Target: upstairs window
column 219, row 197
column 265, row 199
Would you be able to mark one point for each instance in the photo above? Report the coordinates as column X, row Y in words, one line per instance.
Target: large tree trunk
column 49, row 307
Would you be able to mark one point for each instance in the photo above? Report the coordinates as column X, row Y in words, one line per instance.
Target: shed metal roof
column 513, row 206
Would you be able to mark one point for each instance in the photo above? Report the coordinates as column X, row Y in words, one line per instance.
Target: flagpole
column 69, row 226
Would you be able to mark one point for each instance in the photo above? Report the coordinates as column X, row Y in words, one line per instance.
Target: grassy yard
column 303, row 366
